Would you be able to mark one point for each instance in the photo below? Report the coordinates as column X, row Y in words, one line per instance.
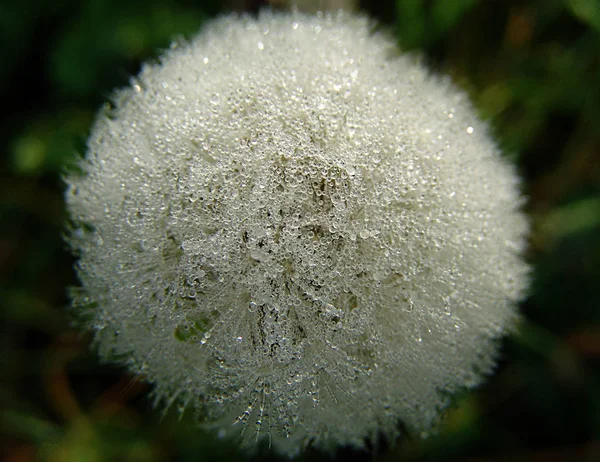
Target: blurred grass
column 533, row 69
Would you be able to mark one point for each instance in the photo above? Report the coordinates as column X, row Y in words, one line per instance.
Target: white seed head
column 294, row 229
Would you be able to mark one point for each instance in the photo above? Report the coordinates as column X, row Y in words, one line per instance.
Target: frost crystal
column 297, row 231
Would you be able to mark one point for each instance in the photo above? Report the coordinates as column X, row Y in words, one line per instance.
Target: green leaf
column 411, row 22
column 420, row 24
column 576, row 217
column 587, row 11
column 29, row 426
column 446, row 14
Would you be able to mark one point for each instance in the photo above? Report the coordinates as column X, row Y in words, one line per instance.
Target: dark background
column 532, row 68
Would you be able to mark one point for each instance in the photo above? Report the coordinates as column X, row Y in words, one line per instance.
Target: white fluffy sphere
column 289, row 226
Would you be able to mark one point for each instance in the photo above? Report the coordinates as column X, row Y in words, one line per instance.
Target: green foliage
column 421, row 22
column 109, row 34
column 586, row 10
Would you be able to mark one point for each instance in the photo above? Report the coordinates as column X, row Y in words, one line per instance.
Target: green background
column 531, row 67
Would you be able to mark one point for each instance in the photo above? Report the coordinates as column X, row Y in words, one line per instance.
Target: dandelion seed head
column 295, row 229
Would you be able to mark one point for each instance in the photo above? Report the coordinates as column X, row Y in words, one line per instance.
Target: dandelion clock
column 298, row 232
